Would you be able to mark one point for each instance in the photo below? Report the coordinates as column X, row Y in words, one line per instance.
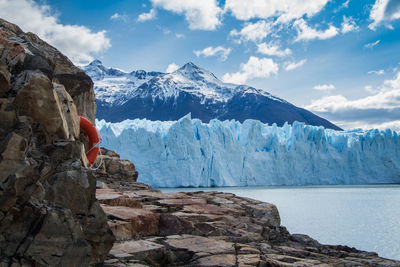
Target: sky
column 338, row 59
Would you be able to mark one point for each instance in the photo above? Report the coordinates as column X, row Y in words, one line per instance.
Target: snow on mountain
column 170, row 96
column 193, row 80
column 114, row 86
column 201, row 83
column 229, row 153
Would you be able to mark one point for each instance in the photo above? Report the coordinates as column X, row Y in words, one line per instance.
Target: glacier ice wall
column 227, row 153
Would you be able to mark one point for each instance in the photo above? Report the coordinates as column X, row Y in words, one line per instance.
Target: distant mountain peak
column 190, row 67
column 95, row 62
column 195, row 73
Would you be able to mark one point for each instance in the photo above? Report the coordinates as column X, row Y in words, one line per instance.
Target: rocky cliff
column 49, row 215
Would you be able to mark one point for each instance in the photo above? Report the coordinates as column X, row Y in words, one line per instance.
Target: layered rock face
column 207, row 229
column 49, row 215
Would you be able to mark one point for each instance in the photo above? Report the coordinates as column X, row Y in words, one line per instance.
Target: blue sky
column 340, row 59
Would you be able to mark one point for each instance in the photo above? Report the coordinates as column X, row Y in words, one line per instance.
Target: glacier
column 190, row 153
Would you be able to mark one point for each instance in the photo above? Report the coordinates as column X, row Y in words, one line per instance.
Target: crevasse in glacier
column 228, row 153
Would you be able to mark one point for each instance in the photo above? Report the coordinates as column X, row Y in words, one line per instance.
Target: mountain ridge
column 124, row 95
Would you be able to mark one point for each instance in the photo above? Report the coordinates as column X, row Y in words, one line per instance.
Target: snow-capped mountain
column 169, row 96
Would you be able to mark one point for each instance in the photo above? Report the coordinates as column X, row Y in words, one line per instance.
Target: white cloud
column 305, row 32
column 115, row 16
column 335, row 103
column 118, row 16
column 171, row 68
column 272, row 50
column 349, row 25
column 166, row 31
column 369, row 89
column 371, row 45
column 294, row 65
column 286, row 10
column 147, row 16
column 393, row 125
column 220, row 51
column 201, row 15
column 345, row 4
column 179, row 35
column 253, row 31
column 392, row 84
column 384, row 11
column 324, row 87
column 377, row 72
column 79, row 43
column 254, row 68
column 381, row 107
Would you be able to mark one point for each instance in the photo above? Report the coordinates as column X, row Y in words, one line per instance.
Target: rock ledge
column 208, row 229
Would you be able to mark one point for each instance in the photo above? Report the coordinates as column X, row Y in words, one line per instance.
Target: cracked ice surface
column 228, row 153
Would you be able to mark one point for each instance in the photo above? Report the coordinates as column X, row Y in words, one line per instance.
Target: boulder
column 120, row 169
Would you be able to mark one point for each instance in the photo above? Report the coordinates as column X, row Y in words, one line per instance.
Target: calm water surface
column 364, row 217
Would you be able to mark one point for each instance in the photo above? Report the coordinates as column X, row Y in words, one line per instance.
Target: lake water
column 364, row 217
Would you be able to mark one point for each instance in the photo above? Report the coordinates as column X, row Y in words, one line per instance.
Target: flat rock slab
column 141, row 250
column 248, row 260
column 182, row 201
column 224, row 260
column 286, row 260
column 113, row 198
column 199, row 244
column 135, row 247
column 155, row 208
column 131, row 222
column 121, row 255
column 127, row 213
column 198, row 217
column 208, row 208
column 159, row 195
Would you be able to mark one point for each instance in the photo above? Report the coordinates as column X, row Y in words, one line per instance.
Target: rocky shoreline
column 55, row 211
column 205, row 228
